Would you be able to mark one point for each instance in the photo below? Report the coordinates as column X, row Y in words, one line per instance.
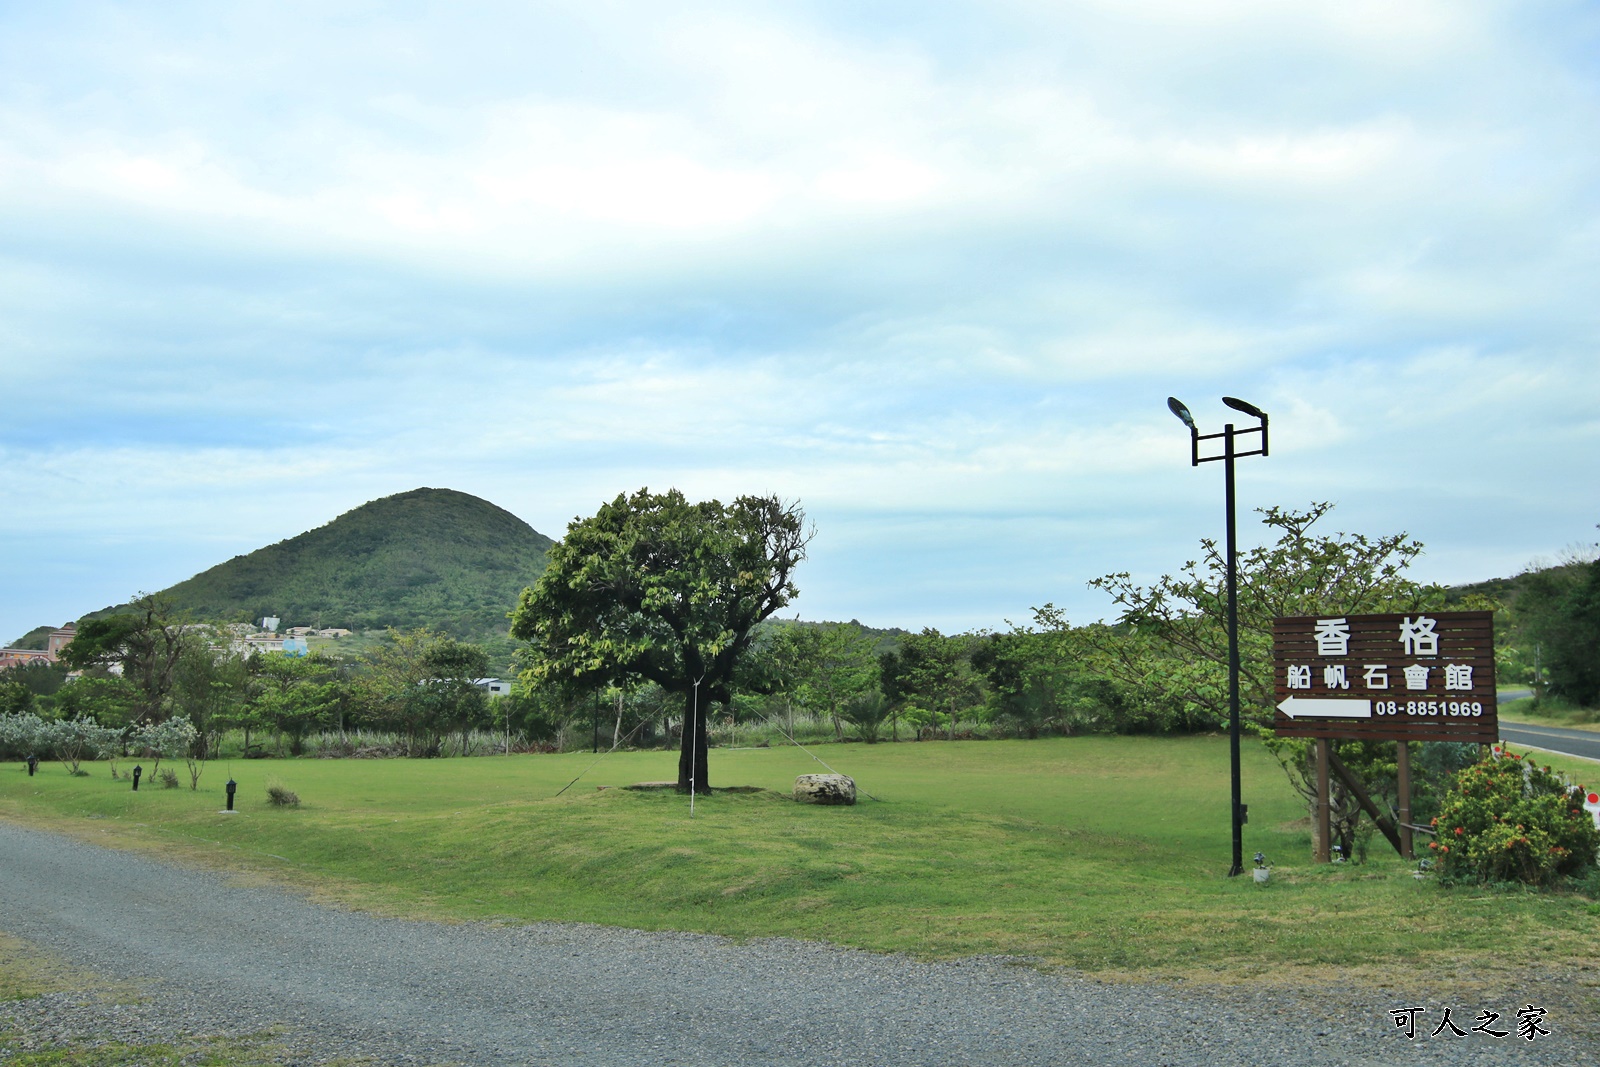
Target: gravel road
column 213, row 957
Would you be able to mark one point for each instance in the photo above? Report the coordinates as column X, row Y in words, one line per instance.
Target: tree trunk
column 692, row 757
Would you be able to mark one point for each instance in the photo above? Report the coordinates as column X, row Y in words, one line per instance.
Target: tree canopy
column 656, row 588
column 1304, row 572
column 146, row 643
column 1558, row 611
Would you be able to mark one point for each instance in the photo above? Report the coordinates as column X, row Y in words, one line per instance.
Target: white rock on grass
column 825, row 789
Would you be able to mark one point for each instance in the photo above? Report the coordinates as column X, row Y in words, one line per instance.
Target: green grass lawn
column 1107, row 854
column 1550, row 712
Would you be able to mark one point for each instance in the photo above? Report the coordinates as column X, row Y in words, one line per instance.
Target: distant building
column 58, row 639
column 495, row 687
column 261, row 642
column 61, row 638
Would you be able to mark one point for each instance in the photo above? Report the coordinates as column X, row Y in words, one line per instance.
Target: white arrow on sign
column 1326, row 708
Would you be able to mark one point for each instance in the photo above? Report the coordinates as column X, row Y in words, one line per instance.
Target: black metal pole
column 1233, row 658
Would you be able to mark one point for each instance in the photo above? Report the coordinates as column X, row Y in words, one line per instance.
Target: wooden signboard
column 1422, row 676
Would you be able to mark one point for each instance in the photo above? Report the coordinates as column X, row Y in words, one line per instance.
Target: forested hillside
column 430, row 557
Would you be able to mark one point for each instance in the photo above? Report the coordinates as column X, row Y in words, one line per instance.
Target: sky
column 929, row 269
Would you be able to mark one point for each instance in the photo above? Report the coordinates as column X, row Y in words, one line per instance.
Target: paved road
column 1583, row 743
column 213, row 954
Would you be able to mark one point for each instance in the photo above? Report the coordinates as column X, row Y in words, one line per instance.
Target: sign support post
column 1402, row 775
column 1324, row 828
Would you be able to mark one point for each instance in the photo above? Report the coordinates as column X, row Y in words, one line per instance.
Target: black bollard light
column 232, row 787
column 137, row 771
column 33, row 765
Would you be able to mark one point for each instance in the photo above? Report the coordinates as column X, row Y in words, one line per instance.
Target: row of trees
column 1553, row 640
column 148, row 667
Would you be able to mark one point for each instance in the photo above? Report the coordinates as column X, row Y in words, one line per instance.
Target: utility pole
column 1229, row 454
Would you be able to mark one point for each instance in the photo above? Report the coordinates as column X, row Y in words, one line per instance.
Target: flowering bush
column 1508, row 820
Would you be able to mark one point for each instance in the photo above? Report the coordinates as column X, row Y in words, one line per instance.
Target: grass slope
column 432, row 557
column 1105, row 854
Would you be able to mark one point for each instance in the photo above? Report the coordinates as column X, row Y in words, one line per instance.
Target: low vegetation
column 1510, row 820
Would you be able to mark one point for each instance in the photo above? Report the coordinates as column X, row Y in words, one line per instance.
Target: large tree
column 656, row 588
column 422, row 684
column 1558, row 612
column 932, row 672
column 826, row 668
column 146, row 643
column 1304, row 572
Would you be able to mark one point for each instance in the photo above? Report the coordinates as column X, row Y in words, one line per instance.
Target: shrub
column 23, row 735
column 1507, row 820
column 169, row 779
column 75, row 740
column 282, row 797
column 867, row 713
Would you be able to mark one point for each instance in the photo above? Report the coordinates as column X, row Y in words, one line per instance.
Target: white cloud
column 935, row 275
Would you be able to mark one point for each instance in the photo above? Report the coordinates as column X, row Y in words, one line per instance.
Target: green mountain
column 430, row 557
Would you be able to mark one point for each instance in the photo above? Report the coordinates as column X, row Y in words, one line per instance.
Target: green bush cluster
column 280, row 796
column 1509, row 820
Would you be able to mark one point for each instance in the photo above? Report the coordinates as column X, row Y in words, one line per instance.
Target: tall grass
column 577, row 735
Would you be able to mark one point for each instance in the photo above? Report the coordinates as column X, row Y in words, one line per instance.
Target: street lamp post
column 1229, row 454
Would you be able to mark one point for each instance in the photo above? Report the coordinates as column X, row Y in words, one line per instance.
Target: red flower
column 1458, row 831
